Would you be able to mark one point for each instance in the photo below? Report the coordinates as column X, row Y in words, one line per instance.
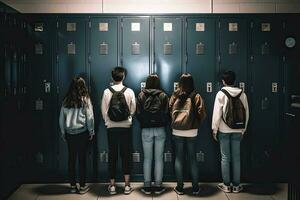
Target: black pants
column 119, row 138
column 77, row 146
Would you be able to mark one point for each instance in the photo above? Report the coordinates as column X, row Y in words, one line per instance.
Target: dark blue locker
column 267, row 89
column 104, row 56
column 135, row 54
column 201, row 63
column 72, row 61
column 233, row 48
column 168, row 50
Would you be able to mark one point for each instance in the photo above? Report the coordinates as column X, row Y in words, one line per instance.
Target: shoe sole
column 226, row 191
column 159, row 192
column 147, row 193
column 179, row 193
column 128, row 192
column 84, row 191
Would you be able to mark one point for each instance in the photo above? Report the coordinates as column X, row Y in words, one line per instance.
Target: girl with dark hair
column 187, row 111
column 76, row 123
column 152, row 113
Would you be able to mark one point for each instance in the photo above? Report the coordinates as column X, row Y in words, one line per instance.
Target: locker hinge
column 251, row 58
column 90, row 24
column 89, row 58
column 186, row 24
column 57, row 24
column 251, row 25
column 57, row 58
column 122, row 25
column 186, row 59
column 283, row 89
column 57, row 89
column 219, row 58
column 283, row 58
column 219, row 25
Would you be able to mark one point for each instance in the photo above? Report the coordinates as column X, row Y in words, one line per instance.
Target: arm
column 171, row 103
column 217, row 112
column 90, row 117
column 132, row 104
column 199, row 103
column 247, row 111
column 62, row 122
column 104, row 106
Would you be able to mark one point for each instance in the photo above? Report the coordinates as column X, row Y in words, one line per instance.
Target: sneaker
column 237, row 189
column 159, row 189
column 112, row 189
column 146, row 190
column 128, row 189
column 73, row 189
column 178, row 191
column 224, row 187
column 83, row 190
column 196, row 191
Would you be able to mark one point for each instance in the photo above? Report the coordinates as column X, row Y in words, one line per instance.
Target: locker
column 233, row 47
column 202, row 67
column 102, row 31
column 266, row 83
column 135, row 55
column 72, row 61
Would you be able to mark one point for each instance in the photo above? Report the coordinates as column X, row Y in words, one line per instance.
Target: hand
column 91, row 137
column 63, row 137
column 215, row 136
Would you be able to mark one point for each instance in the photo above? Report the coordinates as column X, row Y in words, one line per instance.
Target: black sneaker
column 146, row 190
column 196, row 191
column 159, row 189
column 179, row 191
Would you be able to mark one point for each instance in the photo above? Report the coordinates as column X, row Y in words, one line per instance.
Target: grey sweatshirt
column 77, row 120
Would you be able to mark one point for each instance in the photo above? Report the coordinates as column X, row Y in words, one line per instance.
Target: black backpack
column 118, row 108
column 153, row 103
column 235, row 113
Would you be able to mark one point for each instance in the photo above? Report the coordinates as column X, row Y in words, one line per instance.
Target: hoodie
column 149, row 120
column 219, row 108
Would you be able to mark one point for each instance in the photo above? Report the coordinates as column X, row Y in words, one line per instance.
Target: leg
column 179, row 157
column 191, row 147
column 125, row 148
column 82, row 151
column 72, row 158
column 236, row 158
column 224, row 139
column 147, row 139
column 160, row 138
column 112, row 153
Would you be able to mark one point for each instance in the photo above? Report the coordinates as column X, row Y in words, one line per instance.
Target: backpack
column 152, row 104
column 183, row 113
column 118, row 109
column 235, row 113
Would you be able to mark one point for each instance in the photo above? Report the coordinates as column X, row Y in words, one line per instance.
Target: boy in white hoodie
column 229, row 138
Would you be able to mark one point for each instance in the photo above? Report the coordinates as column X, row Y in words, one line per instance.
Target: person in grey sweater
column 76, row 121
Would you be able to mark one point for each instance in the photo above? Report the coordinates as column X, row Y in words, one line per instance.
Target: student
column 229, row 123
column 187, row 111
column 118, row 106
column 76, row 121
column 152, row 113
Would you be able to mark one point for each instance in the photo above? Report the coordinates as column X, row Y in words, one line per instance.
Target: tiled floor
column 99, row 191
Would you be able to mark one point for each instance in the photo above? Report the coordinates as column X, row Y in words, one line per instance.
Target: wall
column 156, row 6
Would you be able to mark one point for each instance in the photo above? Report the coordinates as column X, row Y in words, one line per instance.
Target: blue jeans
column 190, row 143
column 230, row 157
column 153, row 136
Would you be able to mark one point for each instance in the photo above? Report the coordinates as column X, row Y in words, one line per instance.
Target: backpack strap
column 226, row 93
column 123, row 90
column 111, row 89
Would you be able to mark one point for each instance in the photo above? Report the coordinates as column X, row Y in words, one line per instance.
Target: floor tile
column 24, row 192
column 169, row 194
column 282, row 192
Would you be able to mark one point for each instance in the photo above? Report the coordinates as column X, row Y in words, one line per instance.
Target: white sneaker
column 128, row 189
column 73, row 189
column 83, row 190
column 112, row 189
column 224, row 187
column 237, row 189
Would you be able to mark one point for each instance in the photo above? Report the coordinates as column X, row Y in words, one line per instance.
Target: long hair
column 153, row 82
column 186, row 85
column 77, row 93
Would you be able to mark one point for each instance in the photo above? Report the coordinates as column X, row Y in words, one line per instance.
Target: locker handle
column 290, row 114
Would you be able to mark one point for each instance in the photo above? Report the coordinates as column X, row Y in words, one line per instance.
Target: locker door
column 167, row 64
column 233, row 48
column 135, row 58
column 201, row 63
column 168, row 50
column 71, row 63
column 44, row 91
column 265, row 72
column 104, row 56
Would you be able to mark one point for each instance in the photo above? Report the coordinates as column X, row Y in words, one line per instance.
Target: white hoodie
column 219, row 108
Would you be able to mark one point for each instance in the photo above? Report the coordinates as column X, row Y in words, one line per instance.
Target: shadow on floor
column 59, row 190
column 262, row 189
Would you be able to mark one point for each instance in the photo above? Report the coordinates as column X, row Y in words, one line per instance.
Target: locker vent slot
column 71, row 48
column 265, row 49
column 200, row 47
column 103, row 48
column 233, row 48
column 135, row 49
column 71, row 27
column 38, row 49
column 168, row 48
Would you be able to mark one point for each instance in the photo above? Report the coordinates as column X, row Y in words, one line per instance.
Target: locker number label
column 233, row 27
column 168, row 27
column 209, row 87
column 265, row 27
column 274, row 87
column 103, row 27
column 200, row 27
column 135, row 26
column 71, row 27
